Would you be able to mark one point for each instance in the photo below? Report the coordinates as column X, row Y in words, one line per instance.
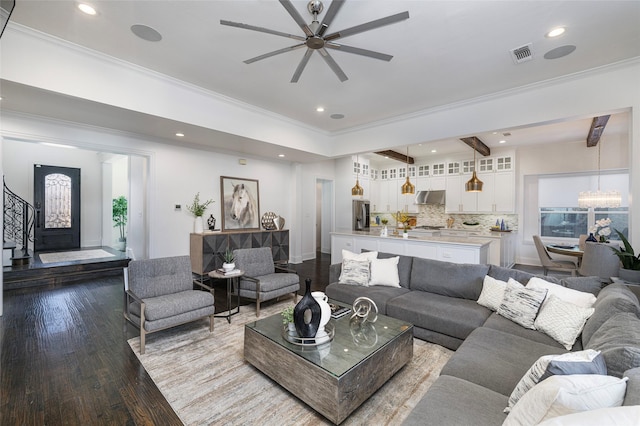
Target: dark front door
column 56, row 197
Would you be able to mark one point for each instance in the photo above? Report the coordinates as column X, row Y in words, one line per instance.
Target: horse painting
column 241, row 209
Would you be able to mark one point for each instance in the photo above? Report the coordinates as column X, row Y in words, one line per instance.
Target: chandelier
column 601, row 199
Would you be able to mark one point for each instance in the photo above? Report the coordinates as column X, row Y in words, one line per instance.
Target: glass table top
column 352, row 343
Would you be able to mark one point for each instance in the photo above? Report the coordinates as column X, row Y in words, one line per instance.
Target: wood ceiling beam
column 477, row 144
column 597, row 127
column 397, row 156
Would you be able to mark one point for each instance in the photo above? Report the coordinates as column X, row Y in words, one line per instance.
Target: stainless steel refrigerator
column 360, row 215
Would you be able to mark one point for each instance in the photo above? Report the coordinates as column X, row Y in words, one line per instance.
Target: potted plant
column 228, row 259
column 630, row 270
column 197, row 209
column 119, row 214
column 287, row 318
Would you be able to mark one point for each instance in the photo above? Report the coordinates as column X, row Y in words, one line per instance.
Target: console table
column 206, row 248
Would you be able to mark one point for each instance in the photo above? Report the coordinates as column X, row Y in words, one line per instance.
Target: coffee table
column 336, row 377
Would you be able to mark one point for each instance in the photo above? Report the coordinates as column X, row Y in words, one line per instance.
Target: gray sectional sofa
column 492, row 352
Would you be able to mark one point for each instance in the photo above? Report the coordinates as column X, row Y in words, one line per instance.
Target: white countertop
column 445, row 239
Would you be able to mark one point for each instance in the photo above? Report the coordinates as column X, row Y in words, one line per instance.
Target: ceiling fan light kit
column 315, row 39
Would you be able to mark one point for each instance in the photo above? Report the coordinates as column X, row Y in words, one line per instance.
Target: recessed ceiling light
column 433, row 151
column 320, row 109
column 556, row 32
column 281, row 155
column 146, row 33
column 502, row 141
column 85, row 8
column 180, row 135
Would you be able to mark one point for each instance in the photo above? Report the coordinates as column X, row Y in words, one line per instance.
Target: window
column 559, row 214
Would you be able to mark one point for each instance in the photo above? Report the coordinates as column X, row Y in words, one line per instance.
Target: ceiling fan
column 315, row 39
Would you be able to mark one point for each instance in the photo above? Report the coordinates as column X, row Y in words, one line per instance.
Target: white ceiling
column 447, row 51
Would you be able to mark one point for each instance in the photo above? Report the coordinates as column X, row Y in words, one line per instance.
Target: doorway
column 324, row 215
column 56, row 196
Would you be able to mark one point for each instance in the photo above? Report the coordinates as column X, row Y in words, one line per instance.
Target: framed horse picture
column 240, row 203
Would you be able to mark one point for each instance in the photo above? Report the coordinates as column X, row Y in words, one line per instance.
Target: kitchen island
column 448, row 248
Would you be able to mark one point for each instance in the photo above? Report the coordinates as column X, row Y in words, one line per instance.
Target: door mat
column 70, row 256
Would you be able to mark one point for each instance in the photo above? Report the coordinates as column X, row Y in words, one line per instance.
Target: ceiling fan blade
column 274, row 53
column 260, row 29
column 392, row 19
column 333, row 65
column 296, row 17
column 301, row 65
column 359, row 51
column 328, row 17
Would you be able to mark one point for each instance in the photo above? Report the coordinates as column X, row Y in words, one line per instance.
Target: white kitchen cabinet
column 498, row 193
column 457, row 199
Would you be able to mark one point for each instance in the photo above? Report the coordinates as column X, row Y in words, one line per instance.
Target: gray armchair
column 260, row 281
column 161, row 296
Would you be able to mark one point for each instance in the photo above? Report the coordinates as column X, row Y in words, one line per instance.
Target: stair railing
column 18, row 220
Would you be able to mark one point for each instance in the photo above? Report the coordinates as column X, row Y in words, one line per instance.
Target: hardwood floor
column 65, row 359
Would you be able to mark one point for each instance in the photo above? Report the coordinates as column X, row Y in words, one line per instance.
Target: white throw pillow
column 561, row 320
column 385, row 272
column 581, row 362
column 521, row 304
column 562, row 395
column 366, row 255
column 619, row 416
column 492, row 293
column 355, row 272
column 580, row 298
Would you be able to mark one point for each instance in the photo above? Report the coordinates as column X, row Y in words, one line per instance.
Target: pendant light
column 474, row 184
column 587, row 199
column 408, row 187
column 357, row 190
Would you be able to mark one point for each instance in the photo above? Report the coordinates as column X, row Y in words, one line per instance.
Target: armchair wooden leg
column 210, row 323
column 142, row 333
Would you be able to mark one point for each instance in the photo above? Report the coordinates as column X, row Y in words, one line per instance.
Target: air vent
column 522, row 54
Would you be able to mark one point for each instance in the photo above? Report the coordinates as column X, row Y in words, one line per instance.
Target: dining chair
column 582, row 241
column 550, row 264
column 599, row 261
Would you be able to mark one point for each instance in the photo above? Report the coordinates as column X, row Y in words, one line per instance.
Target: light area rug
column 206, row 381
column 69, row 256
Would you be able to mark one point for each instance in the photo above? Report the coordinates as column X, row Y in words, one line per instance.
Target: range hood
column 430, row 197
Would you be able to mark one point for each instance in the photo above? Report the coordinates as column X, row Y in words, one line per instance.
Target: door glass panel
column 57, row 201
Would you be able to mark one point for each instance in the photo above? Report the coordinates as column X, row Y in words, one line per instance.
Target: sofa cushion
column 632, row 396
column 618, row 416
column 492, row 293
column 580, row 298
column 497, row 322
column 453, row 402
column 562, row 320
column 503, row 274
column 583, row 362
column 619, row 340
column 514, row 356
column 463, row 281
column 562, row 395
column 385, row 272
column 612, row 299
column 447, row 315
column 521, row 304
column 170, row 305
column 379, row 294
column 591, row 285
column 405, row 263
column 355, row 272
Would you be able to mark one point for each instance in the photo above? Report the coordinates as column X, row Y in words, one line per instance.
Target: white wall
column 175, row 176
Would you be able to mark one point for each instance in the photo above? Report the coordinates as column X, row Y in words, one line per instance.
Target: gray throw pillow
column 521, row 304
column 619, row 341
